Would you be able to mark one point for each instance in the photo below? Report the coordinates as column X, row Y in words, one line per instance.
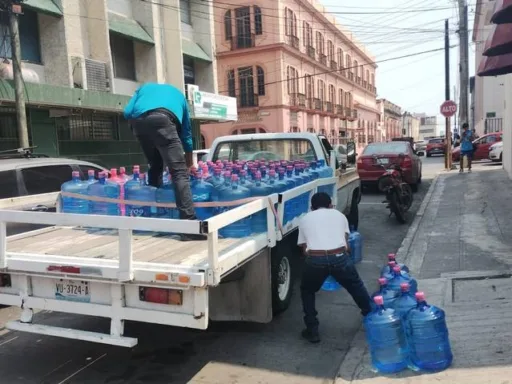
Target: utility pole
column 464, row 63
column 14, row 9
column 448, row 136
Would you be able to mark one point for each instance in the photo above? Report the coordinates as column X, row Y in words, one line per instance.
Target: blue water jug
column 242, row 227
column 313, row 170
column 258, row 189
column 290, row 206
column 387, row 294
column 427, row 336
column 72, row 204
column 244, row 180
column 330, row 284
column 355, row 241
column 400, row 277
column 405, row 301
column 103, row 189
column 134, row 190
column 386, row 338
column 91, row 179
column 202, row 193
column 388, row 273
column 403, row 267
column 165, row 194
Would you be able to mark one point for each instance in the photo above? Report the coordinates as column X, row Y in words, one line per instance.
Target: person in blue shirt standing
column 466, row 147
column 160, row 120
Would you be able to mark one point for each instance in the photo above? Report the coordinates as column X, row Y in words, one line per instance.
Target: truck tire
column 282, row 276
column 353, row 216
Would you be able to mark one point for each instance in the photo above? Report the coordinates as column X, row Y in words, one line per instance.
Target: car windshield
column 436, row 141
column 277, row 149
column 391, row 147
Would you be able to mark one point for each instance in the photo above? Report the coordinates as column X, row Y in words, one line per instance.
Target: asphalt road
column 227, row 353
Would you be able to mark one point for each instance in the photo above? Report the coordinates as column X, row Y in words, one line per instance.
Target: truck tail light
column 5, row 280
column 161, row 295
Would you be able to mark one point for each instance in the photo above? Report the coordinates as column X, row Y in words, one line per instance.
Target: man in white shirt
column 323, row 236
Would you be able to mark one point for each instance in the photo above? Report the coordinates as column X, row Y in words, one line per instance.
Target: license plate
column 73, row 290
column 383, row 161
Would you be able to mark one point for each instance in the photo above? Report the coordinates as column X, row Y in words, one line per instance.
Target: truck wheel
column 353, row 216
column 282, row 280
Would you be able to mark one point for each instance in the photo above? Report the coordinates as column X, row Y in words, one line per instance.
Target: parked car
column 496, row 152
column 420, row 145
column 483, row 144
column 341, row 155
column 435, row 147
column 397, row 152
column 24, row 174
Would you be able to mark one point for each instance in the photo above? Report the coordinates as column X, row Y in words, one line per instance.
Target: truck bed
column 104, row 244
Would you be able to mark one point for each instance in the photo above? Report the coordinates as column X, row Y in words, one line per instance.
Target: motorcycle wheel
column 397, row 208
column 407, row 196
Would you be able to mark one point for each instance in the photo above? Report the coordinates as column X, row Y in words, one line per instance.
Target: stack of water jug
column 222, row 181
column 403, row 330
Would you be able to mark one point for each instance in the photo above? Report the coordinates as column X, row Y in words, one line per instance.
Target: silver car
column 341, row 154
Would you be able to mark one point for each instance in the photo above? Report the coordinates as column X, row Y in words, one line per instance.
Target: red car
column 483, row 145
column 388, row 153
column 435, row 147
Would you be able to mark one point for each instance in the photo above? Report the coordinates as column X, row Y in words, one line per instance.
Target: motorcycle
column 399, row 195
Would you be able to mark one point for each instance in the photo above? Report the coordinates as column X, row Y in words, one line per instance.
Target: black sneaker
column 311, row 336
column 193, row 237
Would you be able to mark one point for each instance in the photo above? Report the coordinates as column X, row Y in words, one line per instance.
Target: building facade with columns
column 292, row 68
column 390, row 119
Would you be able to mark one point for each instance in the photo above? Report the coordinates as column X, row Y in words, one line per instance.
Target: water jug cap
column 383, row 281
column 234, row 177
column 113, row 172
column 420, row 296
column 392, row 263
column 391, row 256
column 75, row 174
column 258, row 175
column 272, row 173
column 102, row 174
column 243, row 172
column 379, row 300
column 404, row 287
column 396, row 268
column 122, row 169
column 90, row 172
column 227, row 175
column 289, row 168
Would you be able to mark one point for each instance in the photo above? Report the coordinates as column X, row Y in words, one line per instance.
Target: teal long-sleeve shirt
column 151, row 96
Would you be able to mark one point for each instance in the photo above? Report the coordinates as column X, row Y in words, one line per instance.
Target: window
column 373, row 79
column 185, row 14
column 340, row 58
column 261, row 81
column 320, row 43
column 228, row 30
column 309, row 87
column 321, row 90
column 9, row 184
column 292, row 78
column 307, row 34
column 340, row 96
column 189, row 72
column 246, row 86
column 258, row 23
column 356, row 68
column 29, row 36
column 88, row 127
column 332, row 94
column 123, row 57
column 45, row 179
column 330, row 50
column 290, row 22
column 231, row 83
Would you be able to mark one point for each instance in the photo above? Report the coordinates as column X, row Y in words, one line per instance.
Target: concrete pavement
column 460, row 246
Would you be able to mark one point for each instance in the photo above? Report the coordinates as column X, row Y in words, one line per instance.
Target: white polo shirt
column 323, row 229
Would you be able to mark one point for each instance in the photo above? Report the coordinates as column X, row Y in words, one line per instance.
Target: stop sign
column 448, row 108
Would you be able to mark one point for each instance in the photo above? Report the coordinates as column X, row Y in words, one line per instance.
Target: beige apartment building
column 83, row 59
column 390, row 120
column 293, row 68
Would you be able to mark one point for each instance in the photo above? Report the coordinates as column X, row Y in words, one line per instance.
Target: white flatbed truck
column 105, row 266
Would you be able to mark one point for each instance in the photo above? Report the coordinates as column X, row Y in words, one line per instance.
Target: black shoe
column 193, row 237
column 311, row 336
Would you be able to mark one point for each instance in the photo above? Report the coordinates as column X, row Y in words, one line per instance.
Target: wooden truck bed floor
column 104, row 244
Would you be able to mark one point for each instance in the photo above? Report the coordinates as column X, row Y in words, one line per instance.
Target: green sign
column 210, row 106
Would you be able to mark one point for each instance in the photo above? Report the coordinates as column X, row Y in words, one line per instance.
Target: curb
column 403, row 252
column 357, row 349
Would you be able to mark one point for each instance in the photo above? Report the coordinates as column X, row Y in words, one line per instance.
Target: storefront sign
column 210, row 106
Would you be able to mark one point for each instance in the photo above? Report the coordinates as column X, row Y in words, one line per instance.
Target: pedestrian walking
column 323, row 236
column 466, row 147
column 160, row 120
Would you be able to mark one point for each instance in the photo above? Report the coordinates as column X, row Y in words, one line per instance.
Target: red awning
column 495, row 65
column 502, row 12
column 499, row 41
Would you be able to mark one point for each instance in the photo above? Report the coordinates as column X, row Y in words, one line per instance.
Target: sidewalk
column 460, row 249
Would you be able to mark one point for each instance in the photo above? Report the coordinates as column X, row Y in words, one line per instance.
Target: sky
column 390, row 29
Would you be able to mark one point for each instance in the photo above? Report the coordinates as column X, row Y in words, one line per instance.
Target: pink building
column 293, row 68
column 390, row 120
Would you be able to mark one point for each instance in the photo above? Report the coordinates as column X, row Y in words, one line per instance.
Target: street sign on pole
column 448, row 108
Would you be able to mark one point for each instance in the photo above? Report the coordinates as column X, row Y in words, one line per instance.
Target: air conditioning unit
column 97, row 76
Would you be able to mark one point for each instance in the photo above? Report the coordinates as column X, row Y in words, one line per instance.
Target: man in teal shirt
column 161, row 122
column 466, row 147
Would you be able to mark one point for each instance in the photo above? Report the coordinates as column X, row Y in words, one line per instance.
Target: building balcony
column 247, row 100
column 322, row 59
column 351, row 76
column 329, row 107
column 243, row 41
column 334, row 65
column 358, row 80
column 365, row 84
column 298, row 100
column 350, row 113
column 317, row 104
column 311, row 52
column 340, row 110
column 294, row 41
